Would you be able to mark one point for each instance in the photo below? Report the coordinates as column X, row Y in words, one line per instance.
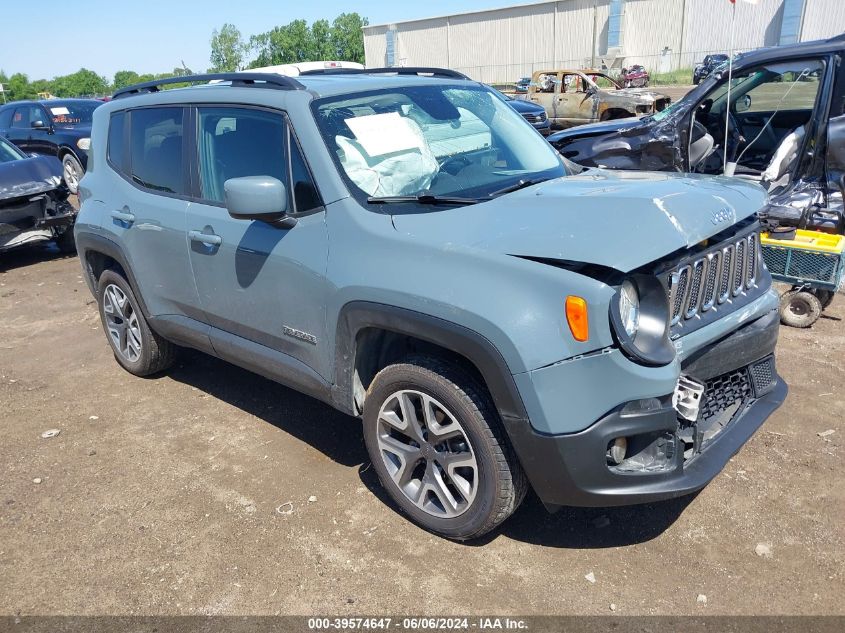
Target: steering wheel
column 459, row 160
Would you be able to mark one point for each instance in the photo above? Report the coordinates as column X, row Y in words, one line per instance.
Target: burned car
column 33, row 201
column 782, row 124
column 576, row 97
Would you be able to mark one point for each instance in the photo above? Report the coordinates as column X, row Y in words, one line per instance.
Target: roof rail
column 399, row 70
column 259, row 80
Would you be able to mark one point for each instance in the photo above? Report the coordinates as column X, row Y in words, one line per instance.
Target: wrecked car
column 576, row 97
column 398, row 244
column 782, row 124
column 53, row 127
column 33, row 201
column 707, row 66
column 635, row 77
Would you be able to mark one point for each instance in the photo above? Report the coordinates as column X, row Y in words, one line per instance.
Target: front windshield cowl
column 429, row 143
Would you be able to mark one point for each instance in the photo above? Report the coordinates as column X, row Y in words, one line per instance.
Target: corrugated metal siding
column 822, row 19
column 422, row 43
column 505, row 44
column 375, row 46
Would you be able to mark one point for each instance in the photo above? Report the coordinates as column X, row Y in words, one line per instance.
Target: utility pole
column 595, row 34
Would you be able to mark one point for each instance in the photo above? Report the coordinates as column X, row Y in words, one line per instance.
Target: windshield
column 9, row 152
column 433, row 140
column 66, row 113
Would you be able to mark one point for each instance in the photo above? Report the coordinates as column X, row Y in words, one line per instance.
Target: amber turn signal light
column 576, row 316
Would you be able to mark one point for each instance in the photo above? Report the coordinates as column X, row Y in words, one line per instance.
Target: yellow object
column 809, row 241
column 576, row 316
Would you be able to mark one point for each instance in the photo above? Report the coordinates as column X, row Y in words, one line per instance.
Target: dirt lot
column 163, row 496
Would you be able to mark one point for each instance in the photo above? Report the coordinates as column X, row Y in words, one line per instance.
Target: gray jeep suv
column 400, row 244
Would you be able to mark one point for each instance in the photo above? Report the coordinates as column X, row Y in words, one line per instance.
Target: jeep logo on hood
column 722, row 215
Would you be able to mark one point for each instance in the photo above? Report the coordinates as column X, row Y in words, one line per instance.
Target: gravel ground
column 210, row 490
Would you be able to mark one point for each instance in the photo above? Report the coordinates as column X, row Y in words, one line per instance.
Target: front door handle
column 123, row 216
column 206, row 238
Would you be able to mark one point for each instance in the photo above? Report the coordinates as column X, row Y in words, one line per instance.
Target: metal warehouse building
column 500, row 45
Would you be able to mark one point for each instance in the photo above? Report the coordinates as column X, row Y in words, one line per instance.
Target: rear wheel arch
column 99, row 254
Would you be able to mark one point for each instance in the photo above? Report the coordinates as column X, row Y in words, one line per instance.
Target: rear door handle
column 123, row 216
column 206, row 238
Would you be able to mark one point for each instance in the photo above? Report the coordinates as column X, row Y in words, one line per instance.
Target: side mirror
column 743, row 104
column 39, row 125
column 258, row 198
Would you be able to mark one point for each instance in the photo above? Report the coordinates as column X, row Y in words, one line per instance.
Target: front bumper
column 667, row 457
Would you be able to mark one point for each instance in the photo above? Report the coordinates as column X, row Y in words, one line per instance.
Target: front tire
column 138, row 349
column 72, row 172
column 436, row 443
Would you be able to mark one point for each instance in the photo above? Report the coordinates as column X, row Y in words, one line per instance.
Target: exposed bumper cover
column 572, row 469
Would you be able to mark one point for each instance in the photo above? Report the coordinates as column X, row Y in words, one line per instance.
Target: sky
column 155, row 36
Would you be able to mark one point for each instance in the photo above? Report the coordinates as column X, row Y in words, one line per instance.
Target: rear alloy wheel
column 72, row 172
column 437, row 445
column 136, row 347
column 799, row 308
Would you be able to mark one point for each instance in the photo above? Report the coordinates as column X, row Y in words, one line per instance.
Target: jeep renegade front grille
column 714, row 277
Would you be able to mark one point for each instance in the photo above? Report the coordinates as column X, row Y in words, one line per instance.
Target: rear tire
column 138, row 349
column 437, row 445
column 799, row 308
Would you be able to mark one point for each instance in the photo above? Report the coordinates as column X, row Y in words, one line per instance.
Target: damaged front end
column 34, row 204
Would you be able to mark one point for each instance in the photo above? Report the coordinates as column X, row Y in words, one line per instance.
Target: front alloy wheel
column 427, row 453
column 71, row 172
column 437, row 444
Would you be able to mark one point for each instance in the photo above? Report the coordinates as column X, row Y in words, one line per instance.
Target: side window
column 305, row 194
column 156, row 149
column 6, row 118
column 785, row 86
column 237, row 142
column 24, row 116
column 116, row 146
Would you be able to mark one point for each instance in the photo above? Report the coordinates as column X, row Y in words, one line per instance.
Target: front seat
column 782, row 160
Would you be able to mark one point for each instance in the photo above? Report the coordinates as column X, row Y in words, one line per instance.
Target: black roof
column 804, row 49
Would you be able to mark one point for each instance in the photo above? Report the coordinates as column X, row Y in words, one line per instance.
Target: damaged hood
column 643, row 94
column 29, row 176
column 622, row 220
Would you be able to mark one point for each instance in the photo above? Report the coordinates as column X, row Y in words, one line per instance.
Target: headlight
column 84, row 143
column 629, row 307
column 639, row 316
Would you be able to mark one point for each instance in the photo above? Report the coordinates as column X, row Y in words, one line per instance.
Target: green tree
column 227, row 49
column 347, row 37
column 82, row 83
column 18, row 87
column 123, row 78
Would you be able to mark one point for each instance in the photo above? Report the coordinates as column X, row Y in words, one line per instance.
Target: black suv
column 707, row 66
column 55, row 127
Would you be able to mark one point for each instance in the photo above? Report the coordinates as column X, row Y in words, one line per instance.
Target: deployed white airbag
column 388, row 157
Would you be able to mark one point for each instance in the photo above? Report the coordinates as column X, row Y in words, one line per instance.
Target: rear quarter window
column 116, row 150
column 156, row 150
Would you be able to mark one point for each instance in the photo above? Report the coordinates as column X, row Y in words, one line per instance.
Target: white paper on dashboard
column 59, row 110
column 381, row 134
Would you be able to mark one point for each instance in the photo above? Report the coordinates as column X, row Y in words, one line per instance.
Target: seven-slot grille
column 714, row 277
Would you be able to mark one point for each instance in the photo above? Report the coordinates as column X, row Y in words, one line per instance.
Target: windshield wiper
column 423, row 198
column 522, row 184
